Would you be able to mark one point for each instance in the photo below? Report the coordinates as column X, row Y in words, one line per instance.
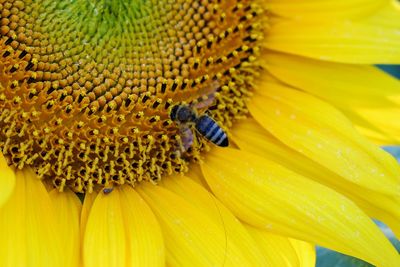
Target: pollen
column 86, row 87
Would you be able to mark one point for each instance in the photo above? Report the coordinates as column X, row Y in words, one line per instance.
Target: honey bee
column 204, row 124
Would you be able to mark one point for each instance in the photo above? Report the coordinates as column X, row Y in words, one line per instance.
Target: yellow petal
column 146, row 245
column 196, row 175
column 238, row 242
column 104, row 238
column 252, row 138
column 387, row 16
column 268, row 196
column 318, row 131
column 121, row 231
column 277, row 249
column 377, row 123
column 360, row 42
column 7, row 180
column 67, row 208
column 87, row 206
column 191, row 237
column 323, row 10
column 305, row 252
column 282, row 251
column 28, row 226
column 352, row 88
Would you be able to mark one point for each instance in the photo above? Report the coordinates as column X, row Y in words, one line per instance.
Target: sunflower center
column 87, row 86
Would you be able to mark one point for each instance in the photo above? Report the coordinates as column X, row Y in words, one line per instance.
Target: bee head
column 182, row 113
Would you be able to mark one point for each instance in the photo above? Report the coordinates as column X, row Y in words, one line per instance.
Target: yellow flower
column 87, row 89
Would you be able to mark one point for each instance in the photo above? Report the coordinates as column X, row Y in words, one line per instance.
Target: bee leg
column 187, row 138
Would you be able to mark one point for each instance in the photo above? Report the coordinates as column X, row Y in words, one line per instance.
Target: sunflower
column 87, row 88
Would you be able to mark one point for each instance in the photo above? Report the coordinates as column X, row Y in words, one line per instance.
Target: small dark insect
column 108, row 190
column 204, row 124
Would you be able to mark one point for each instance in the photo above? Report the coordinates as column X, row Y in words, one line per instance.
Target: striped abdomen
column 210, row 130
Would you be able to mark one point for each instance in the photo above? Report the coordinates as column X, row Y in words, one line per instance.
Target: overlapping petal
column 104, row 241
column 146, row 244
column 7, row 180
column 317, row 130
column 192, row 237
column 324, row 9
column 266, row 195
column 368, row 96
column 305, row 252
column 360, row 41
column 122, row 231
column 282, row 251
column 239, row 243
column 387, row 15
column 86, row 207
column 251, row 137
column 196, row 175
column 29, row 227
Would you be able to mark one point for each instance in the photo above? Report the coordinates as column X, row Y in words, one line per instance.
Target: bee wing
column 187, row 137
column 211, row 89
column 205, row 103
